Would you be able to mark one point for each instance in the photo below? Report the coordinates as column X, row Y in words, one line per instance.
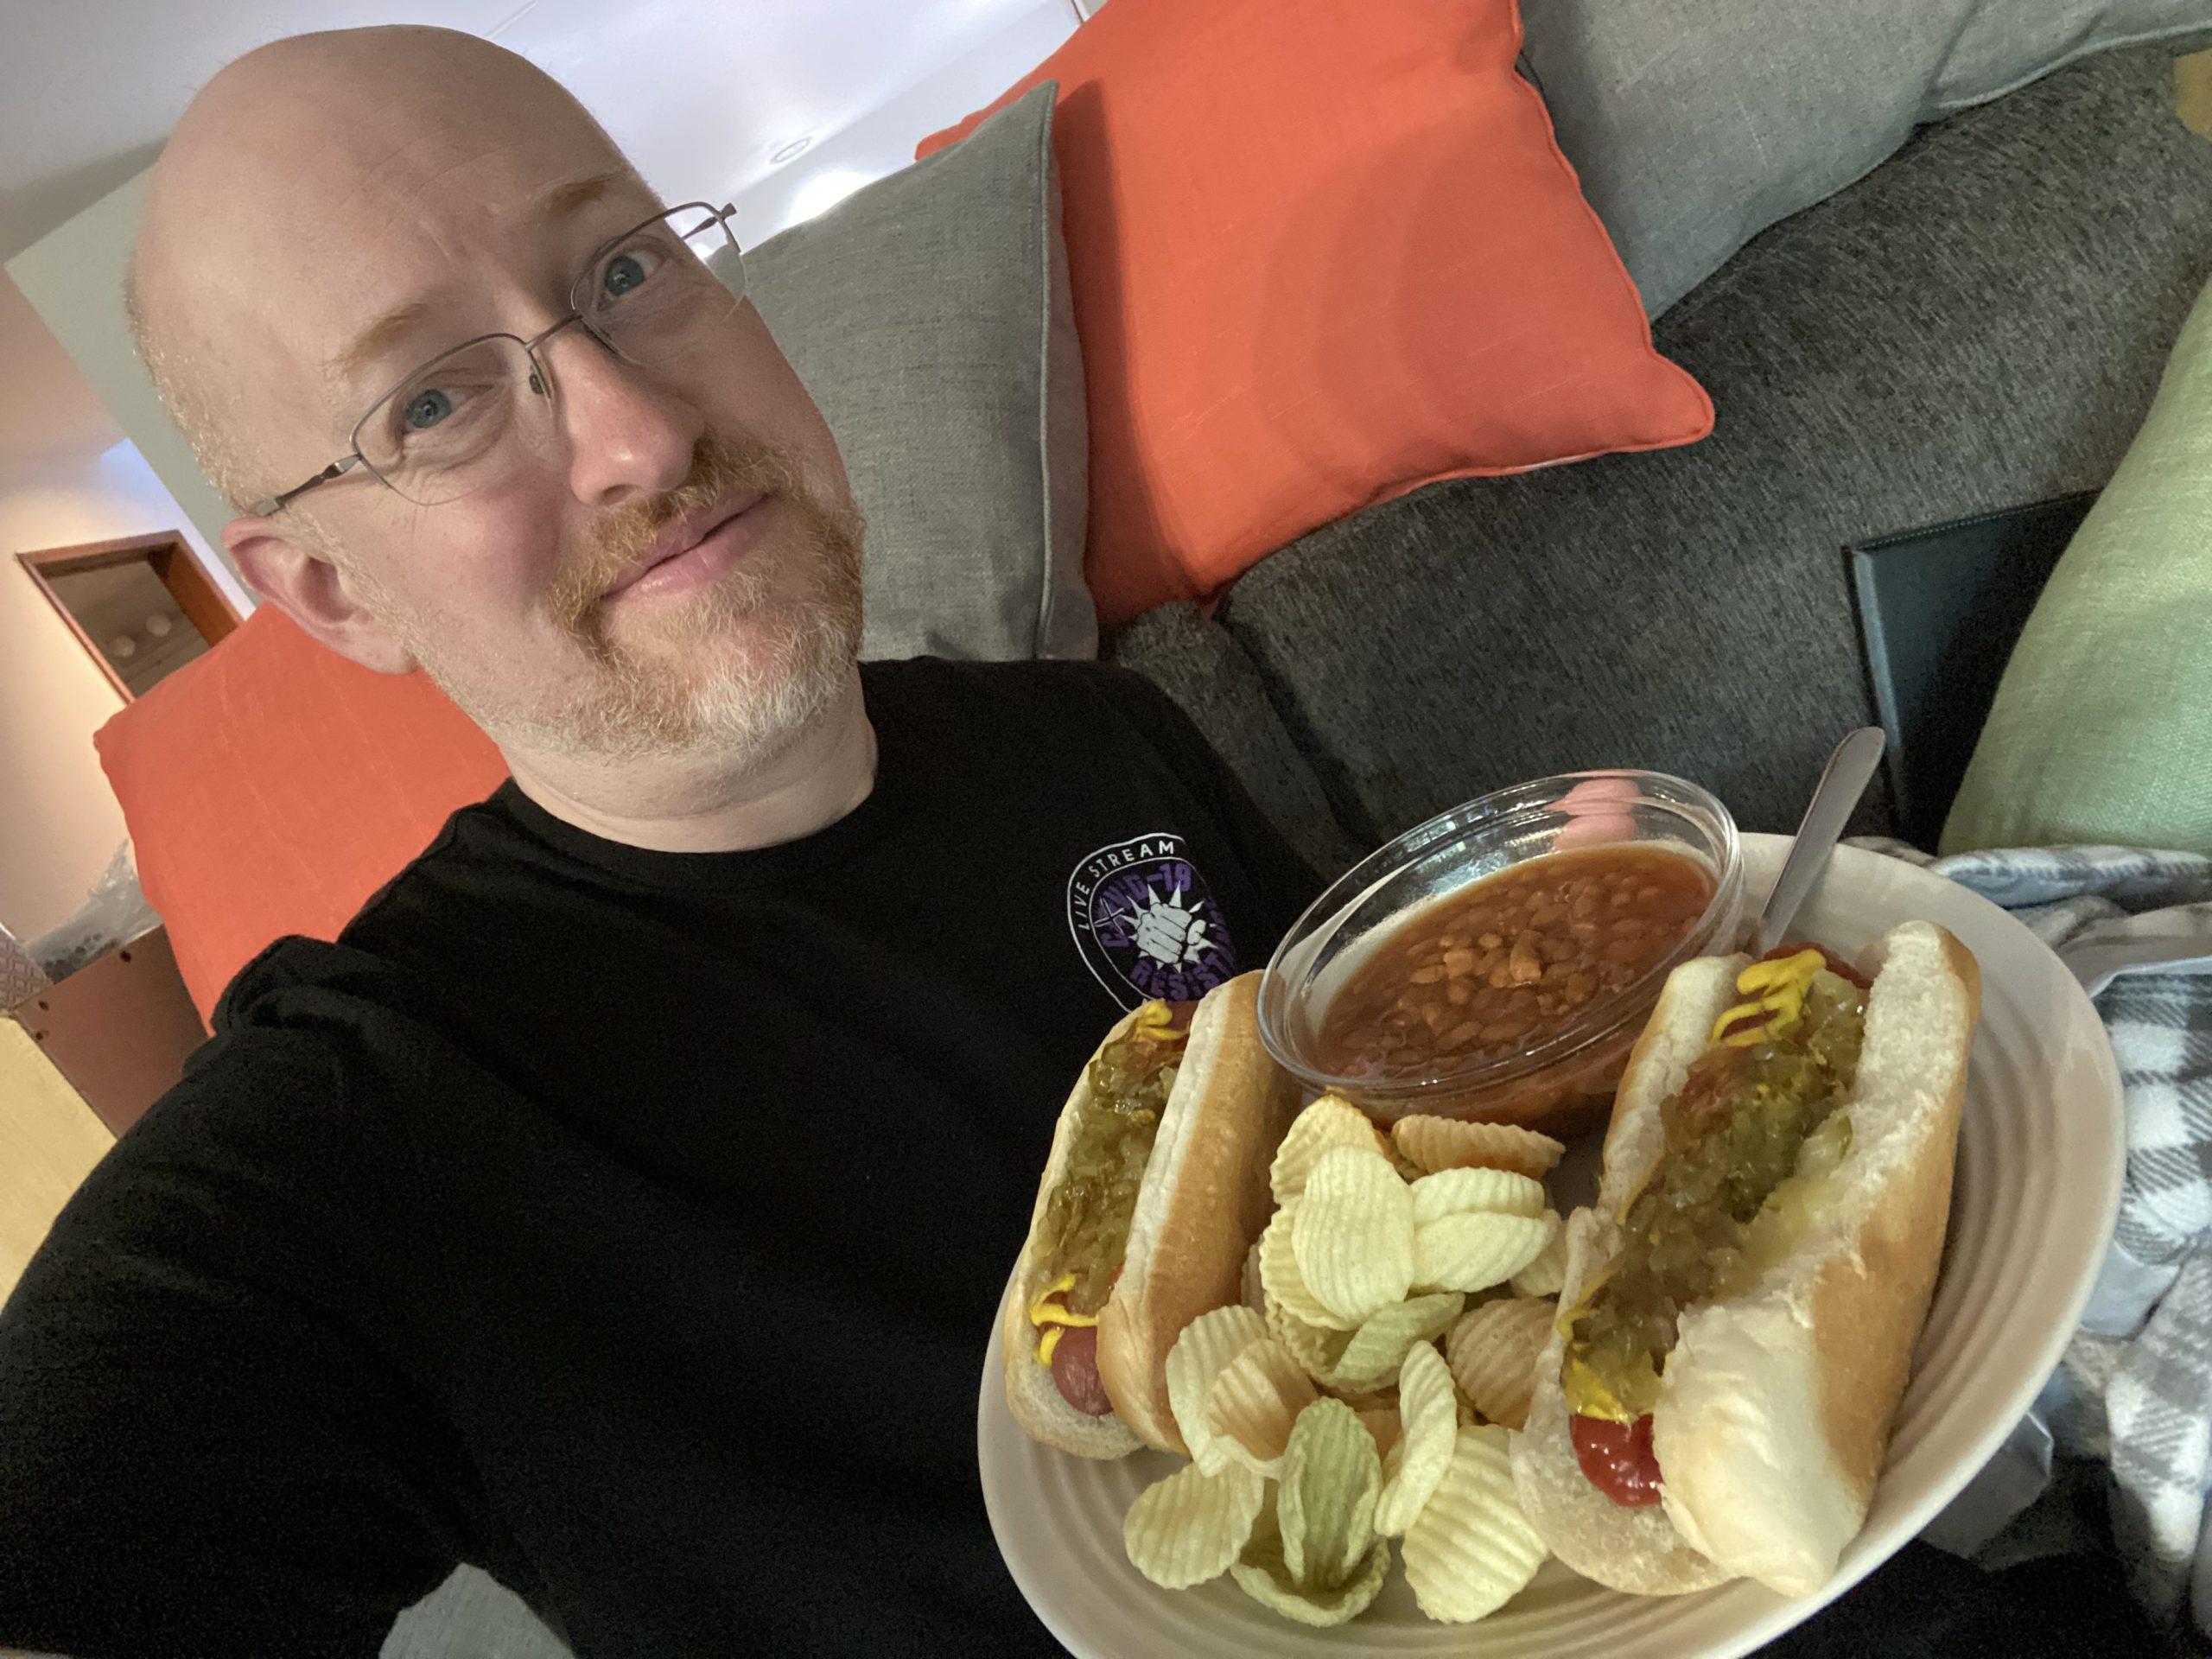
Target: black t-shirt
column 630, row 1223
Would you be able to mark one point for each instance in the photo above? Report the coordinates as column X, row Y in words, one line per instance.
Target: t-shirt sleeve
column 1286, row 881
column 201, row 1456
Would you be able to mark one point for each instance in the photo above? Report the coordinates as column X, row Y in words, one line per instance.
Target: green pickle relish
column 1087, row 1217
column 1749, row 1137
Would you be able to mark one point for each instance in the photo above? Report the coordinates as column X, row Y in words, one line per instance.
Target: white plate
column 2040, row 1154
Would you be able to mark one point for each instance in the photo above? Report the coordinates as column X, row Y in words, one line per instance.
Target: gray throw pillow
column 929, row 315
column 1697, row 124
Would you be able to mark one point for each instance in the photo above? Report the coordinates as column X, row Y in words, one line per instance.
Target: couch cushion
column 2102, row 727
column 1194, row 660
column 271, row 786
column 1694, row 128
column 1323, row 253
column 1979, row 323
column 929, row 315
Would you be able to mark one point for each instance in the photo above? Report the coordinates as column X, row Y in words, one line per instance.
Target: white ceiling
column 95, row 85
column 703, row 95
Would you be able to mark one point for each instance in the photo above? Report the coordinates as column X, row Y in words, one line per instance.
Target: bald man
column 622, row 1202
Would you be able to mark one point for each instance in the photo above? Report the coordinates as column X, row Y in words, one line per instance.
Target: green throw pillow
column 2102, row 727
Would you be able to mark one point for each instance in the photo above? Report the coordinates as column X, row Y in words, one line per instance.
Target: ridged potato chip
column 1474, row 1252
column 1191, row 1526
column 1381, row 1422
column 1408, row 1170
column 1353, row 1234
column 1437, row 1143
column 1546, row 1274
column 1428, row 1418
column 1371, row 1358
column 1316, row 1347
column 1201, row 1353
column 1255, row 1294
column 1260, row 1572
column 1471, row 1550
column 1254, row 1405
column 1325, row 1507
column 1459, row 1191
column 1364, row 1400
column 1282, row 1281
column 1331, row 1121
column 1493, row 1351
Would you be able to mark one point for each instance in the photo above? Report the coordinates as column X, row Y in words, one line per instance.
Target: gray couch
column 1978, row 322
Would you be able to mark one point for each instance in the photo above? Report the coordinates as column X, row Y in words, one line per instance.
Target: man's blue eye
column 623, row 273
column 426, row 408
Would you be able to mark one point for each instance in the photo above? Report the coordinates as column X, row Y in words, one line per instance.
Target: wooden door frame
column 205, row 606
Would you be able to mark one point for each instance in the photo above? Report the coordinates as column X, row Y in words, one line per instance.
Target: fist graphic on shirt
column 1170, row 934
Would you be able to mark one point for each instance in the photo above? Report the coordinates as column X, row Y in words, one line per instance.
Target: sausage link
column 1075, row 1371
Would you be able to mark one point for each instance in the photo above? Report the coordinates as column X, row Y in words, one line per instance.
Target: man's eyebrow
column 576, row 194
column 563, row 201
column 379, row 337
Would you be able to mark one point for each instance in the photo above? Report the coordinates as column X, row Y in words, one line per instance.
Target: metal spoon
column 1843, row 780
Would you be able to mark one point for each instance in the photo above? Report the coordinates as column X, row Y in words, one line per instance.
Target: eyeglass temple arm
column 278, row 502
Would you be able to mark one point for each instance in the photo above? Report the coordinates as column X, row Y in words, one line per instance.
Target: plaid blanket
column 2134, row 1390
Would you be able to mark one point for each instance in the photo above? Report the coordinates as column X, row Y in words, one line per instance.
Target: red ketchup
column 1617, row 1459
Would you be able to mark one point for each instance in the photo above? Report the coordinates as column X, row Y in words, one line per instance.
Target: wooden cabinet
column 118, row 1029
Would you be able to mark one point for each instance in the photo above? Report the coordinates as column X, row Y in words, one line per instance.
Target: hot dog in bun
column 1739, row 1309
column 1156, row 1186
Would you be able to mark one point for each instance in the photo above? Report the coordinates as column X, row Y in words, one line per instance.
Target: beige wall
column 59, row 822
column 74, row 278
column 66, row 477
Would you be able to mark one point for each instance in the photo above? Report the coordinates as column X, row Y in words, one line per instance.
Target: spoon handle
column 1843, row 780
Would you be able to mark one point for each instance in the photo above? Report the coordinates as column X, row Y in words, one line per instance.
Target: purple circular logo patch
column 1146, row 923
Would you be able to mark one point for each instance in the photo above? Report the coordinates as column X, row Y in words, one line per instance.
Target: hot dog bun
column 1031, row 1394
column 1774, row 1410
column 1632, row 1549
column 1203, row 1199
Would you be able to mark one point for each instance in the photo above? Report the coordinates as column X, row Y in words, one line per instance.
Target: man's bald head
column 344, row 229
column 296, row 160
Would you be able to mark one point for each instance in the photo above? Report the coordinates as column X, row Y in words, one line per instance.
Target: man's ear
column 310, row 590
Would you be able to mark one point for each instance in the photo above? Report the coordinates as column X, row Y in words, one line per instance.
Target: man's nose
column 627, row 433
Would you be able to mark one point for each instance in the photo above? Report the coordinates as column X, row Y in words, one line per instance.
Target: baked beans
column 1510, row 960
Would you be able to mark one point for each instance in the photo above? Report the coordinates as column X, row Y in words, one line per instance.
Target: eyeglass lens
column 460, row 422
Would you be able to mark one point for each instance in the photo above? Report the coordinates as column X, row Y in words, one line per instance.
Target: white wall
column 74, row 278
column 59, row 822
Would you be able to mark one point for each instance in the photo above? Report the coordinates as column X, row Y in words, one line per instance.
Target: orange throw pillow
column 272, row 787
column 1324, row 253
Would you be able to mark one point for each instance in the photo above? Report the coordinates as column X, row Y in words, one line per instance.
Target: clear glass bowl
column 1564, row 1080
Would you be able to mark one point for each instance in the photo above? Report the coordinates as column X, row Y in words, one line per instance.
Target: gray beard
column 680, row 699
column 683, row 695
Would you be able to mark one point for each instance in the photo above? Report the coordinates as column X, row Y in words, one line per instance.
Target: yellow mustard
column 1051, row 1317
column 1777, row 989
